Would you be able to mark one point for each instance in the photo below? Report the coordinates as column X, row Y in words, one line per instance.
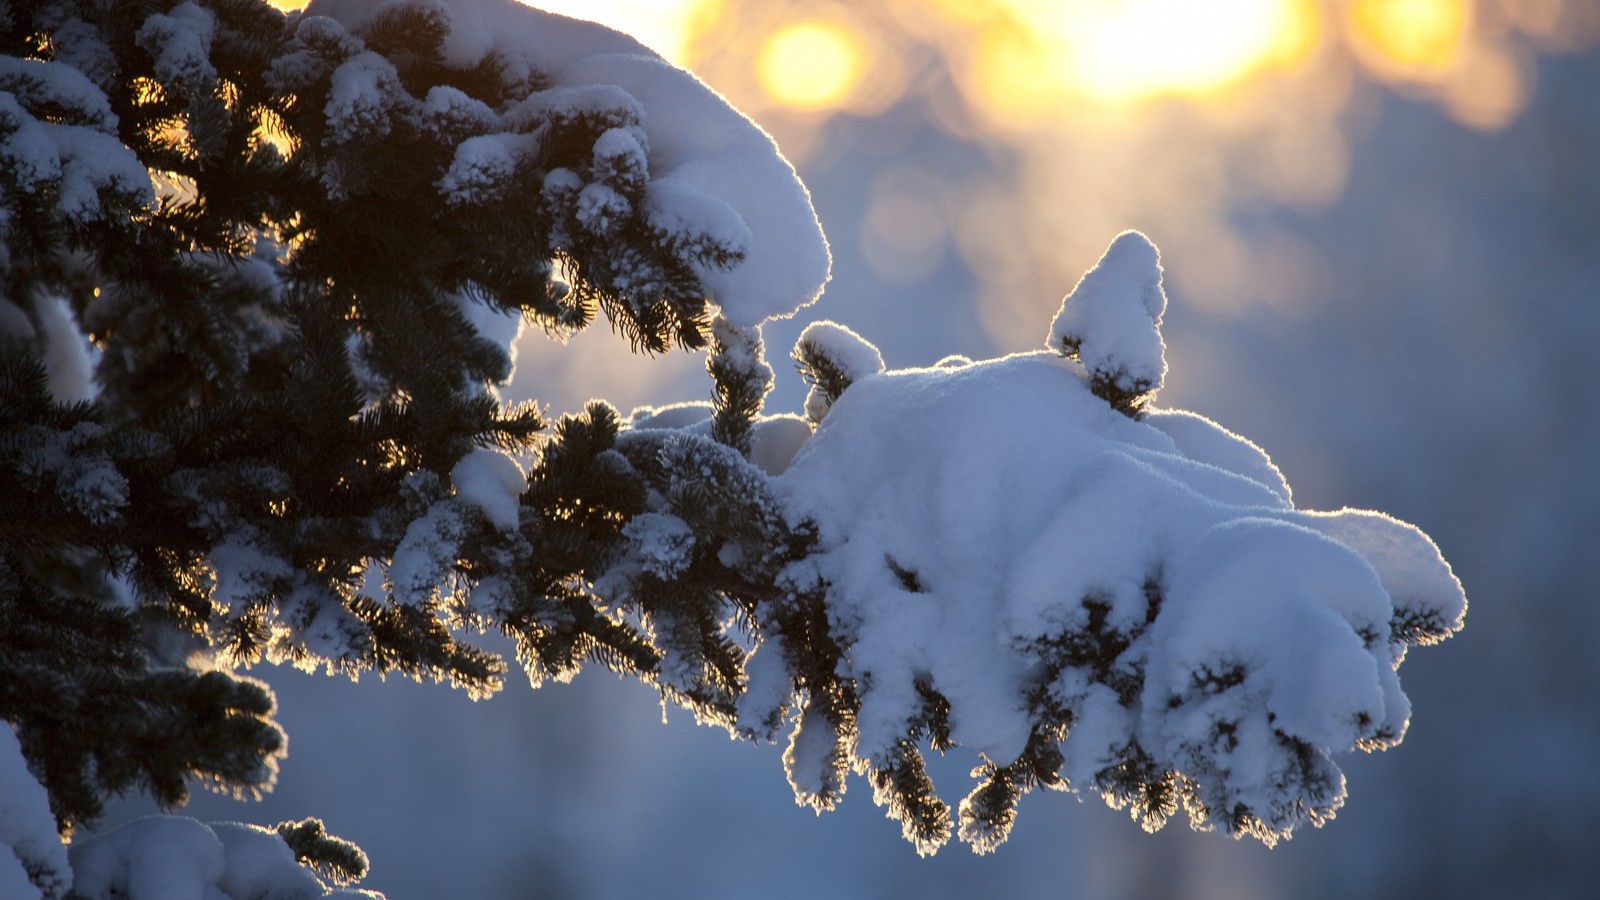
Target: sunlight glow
column 1015, row 60
column 1119, row 51
column 811, row 65
column 665, row 26
column 1122, row 51
column 1413, row 34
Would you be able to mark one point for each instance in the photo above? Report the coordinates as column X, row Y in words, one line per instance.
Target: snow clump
column 1139, row 590
column 1111, row 320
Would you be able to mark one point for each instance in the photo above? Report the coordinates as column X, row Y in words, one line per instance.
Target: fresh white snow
column 492, row 482
column 1015, row 499
column 68, row 142
column 1111, row 319
column 179, row 43
column 851, row 355
column 178, row 858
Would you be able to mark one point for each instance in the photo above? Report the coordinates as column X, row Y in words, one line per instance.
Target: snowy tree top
column 1111, row 319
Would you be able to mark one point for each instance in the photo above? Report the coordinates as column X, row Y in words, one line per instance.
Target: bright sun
column 1122, row 50
column 810, row 65
column 1422, row 34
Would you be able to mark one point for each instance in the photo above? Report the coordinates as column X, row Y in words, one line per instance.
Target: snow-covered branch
column 1128, row 606
column 297, row 250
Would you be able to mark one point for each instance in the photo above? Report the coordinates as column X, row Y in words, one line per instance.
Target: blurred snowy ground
column 1413, row 336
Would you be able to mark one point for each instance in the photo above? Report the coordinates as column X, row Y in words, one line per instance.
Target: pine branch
column 333, row 858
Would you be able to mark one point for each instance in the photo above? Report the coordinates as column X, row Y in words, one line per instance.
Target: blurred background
column 1380, row 222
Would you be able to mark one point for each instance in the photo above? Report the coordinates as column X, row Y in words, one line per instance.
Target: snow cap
column 848, row 355
column 1111, row 320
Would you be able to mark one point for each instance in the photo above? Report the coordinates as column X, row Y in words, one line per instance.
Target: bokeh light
column 1137, row 49
column 1425, row 34
column 665, row 26
column 1074, row 119
column 810, row 65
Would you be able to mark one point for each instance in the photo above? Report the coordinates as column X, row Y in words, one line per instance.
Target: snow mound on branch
column 711, row 168
column 492, row 482
column 774, row 439
column 832, row 357
column 1203, row 440
column 975, row 522
column 180, row 44
column 850, row 353
column 178, row 858
column 1111, row 319
column 58, row 141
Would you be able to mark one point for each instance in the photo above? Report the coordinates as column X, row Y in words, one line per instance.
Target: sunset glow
column 1419, row 34
column 665, row 26
column 1136, row 49
column 810, row 65
column 1107, row 114
column 1020, row 52
column 1015, row 60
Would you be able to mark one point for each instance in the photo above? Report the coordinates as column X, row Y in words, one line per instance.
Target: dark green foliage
column 989, row 811
column 707, row 490
column 935, row 717
column 741, row 380
column 1413, row 627
column 829, row 358
column 95, row 719
column 1097, row 648
column 413, row 641
column 289, row 374
column 579, row 495
column 95, row 714
column 1128, row 401
column 1148, row 792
